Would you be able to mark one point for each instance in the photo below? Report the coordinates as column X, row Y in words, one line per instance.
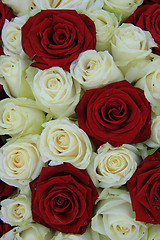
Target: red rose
column 144, row 189
column 57, row 37
column 4, row 227
column 117, row 113
column 147, row 17
column 63, row 198
column 151, row 1
column 5, row 13
column 5, row 189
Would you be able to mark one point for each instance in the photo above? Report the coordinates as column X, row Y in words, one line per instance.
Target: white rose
column 113, row 167
column 154, row 140
column 129, row 43
column 114, row 217
column 21, row 8
column 95, row 69
column 20, row 161
column 33, row 231
column 11, row 35
column 12, row 70
column 17, row 210
column 154, row 232
column 106, row 23
column 123, row 8
column 55, row 90
column 63, row 141
column 79, row 6
column 20, row 116
column 149, row 81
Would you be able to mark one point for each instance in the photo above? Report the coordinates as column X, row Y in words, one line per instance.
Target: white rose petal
column 17, row 210
column 63, row 141
column 114, row 217
column 12, row 70
column 95, row 69
column 33, row 231
column 11, row 35
column 106, row 23
column 129, row 43
column 79, row 6
column 113, row 167
column 124, row 8
column 154, row 232
column 55, row 91
column 154, row 140
column 20, row 161
column 21, row 8
column 20, row 116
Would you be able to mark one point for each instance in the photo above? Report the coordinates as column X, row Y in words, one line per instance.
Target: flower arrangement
column 79, row 120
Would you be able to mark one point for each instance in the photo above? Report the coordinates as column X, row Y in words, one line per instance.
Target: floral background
column 79, row 120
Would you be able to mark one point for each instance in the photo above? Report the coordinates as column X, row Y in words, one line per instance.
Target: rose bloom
column 95, row 69
column 154, row 232
column 63, row 198
column 114, row 217
column 147, row 18
column 144, row 189
column 130, row 43
column 117, row 113
column 55, row 90
column 57, row 37
column 5, row 13
column 113, row 167
column 63, row 141
column 154, row 140
column 16, row 210
column 20, row 161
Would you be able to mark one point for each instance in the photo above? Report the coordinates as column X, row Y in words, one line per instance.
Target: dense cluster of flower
column 79, row 120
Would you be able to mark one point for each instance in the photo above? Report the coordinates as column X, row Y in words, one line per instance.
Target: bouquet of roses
column 79, row 120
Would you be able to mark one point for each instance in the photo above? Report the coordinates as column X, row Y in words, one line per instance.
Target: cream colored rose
column 55, row 91
column 21, row 8
column 129, row 43
column 106, row 23
column 80, row 6
column 113, row 167
column 33, row 231
column 154, row 140
column 149, row 81
column 20, row 161
column 123, row 8
column 20, row 116
column 95, row 69
column 16, row 210
column 154, row 232
column 11, row 35
column 114, row 217
column 12, row 71
column 63, row 141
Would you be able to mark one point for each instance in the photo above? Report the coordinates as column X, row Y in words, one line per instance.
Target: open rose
column 63, row 198
column 147, row 18
column 144, row 189
column 57, row 37
column 117, row 113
